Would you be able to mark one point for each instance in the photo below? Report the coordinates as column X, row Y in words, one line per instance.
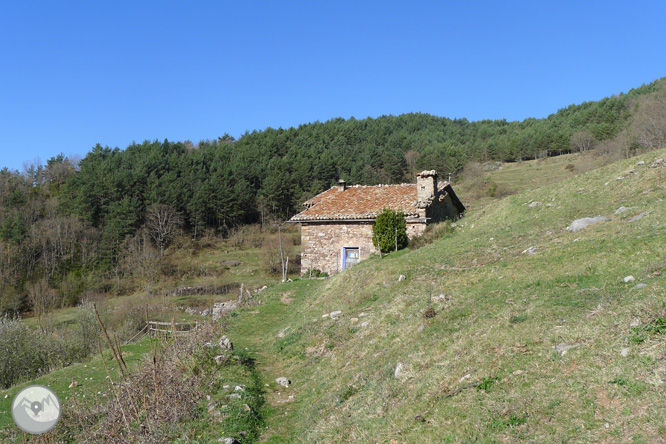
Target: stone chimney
column 342, row 185
column 426, row 185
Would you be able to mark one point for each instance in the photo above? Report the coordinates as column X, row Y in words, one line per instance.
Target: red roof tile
column 360, row 202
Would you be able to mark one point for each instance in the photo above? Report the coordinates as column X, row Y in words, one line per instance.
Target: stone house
column 336, row 226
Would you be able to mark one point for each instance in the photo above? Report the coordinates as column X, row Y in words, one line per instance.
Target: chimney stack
column 426, row 185
column 342, row 185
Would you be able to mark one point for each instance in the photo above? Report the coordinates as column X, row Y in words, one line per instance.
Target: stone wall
column 441, row 208
column 322, row 243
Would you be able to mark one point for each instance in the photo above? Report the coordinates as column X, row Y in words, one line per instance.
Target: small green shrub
column 512, row 420
column 316, row 273
column 516, row 319
column 347, row 393
column 390, row 231
column 486, row 384
column 655, row 327
column 618, row 381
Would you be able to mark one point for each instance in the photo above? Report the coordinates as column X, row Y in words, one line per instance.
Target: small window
column 350, row 257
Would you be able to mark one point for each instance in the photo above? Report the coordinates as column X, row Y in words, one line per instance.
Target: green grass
column 91, row 377
column 506, row 311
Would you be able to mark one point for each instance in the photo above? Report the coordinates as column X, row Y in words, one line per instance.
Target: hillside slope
column 537, row 337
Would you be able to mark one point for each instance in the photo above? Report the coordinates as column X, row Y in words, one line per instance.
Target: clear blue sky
column 77, row 73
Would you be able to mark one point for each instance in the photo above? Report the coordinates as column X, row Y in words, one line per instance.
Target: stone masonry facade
column 322, row 244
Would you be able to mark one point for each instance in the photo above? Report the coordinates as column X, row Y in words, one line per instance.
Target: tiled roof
column 360, row 202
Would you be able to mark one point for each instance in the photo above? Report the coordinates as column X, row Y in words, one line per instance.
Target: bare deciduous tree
column 582, row 141
column 410, row 158
column 163, row 223
column 42, row 299
column 649, row 122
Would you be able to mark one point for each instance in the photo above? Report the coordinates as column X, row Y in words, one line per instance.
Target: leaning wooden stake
column 108, row 340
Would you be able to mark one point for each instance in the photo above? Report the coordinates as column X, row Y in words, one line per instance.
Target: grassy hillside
column 536, row 337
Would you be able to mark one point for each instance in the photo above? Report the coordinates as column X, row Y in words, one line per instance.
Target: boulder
column 530, row 251
column 629, row 278
column 225, row 342
column 221, row 308
column 637, row 217
column 563, row 348
column 284, row 382
column 585, row 222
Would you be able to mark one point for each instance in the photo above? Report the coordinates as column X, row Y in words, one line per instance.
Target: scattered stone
column 362, row 315
column 239, row 388
column 619, row 178
column 642, row 162
column 637, row 217
column 635, row 323
column 622, row 209
column 211, row 406
column 421, row 327
column 325, row 315
column 335, row 314
column 261, row 289
column 401, row 278
column 282, row 333
column 534, row 204
column 624, row 352
column 464, row 378
column 365, row 324
column 222, row 308
column 228, row 441
column 219, row 359
column 530, row 251
column 442, row 297
column 353, row 320
column 226, row 343
column 234, row 395
column 398, row 371
column 231, row 263
column 518, row 372
column 247, row 408
column 585, row 222
column 629, row 278
column 639, row 286
column 284, row 382
column 563, row 348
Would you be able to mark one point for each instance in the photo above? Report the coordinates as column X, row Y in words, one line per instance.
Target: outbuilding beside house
column 336, row 226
